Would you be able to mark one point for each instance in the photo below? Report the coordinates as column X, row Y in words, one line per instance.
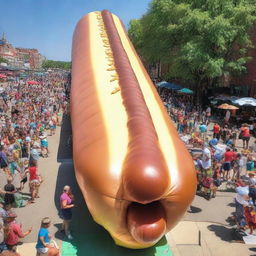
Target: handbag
column 240, row 136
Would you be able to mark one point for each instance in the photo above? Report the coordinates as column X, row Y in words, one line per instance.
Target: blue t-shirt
column 250, row 165
column 45, row 233
column 203, row 128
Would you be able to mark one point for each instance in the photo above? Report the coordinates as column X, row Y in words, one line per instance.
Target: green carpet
column 69, row 249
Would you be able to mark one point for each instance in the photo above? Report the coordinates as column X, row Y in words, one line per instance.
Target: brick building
column 247, row 82
column 20, row 57
column 31, row 56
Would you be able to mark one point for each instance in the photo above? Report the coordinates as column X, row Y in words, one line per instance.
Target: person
column 241, row 200
column 225, row 132
column 34, row 154
column 206, row 160
column 3, row 160
column 216, row 131
column 34, row 180
column 43, row 245
column 203, row 131
column 250, row 164
column 2, row 243
column 208, row 113
column 9, row 198
column 253, row 147
column 233, row 136
column 238, row 166
column 252, row 187
column 207, row 183
column 228, row 158
column 13, row 231
column 66, row 202
column 250, row 216
column 227, row 116
column 44, row 145
column 245, row 132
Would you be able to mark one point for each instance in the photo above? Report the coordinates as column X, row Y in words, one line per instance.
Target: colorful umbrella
column 227, row 106
column 33, row 82
column 2, row 76
column 186, row 91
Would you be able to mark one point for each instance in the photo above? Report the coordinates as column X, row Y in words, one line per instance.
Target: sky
column 48, row 25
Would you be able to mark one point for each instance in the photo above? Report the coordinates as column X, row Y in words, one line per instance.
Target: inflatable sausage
column 135, row 173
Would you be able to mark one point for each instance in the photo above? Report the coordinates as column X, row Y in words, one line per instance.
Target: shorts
column 44, row 144
column 3, row 165
column 246, row 138
column 34, row 184
column 3, row 247
column 42, row 250
column 66, row 214
column 226, row 166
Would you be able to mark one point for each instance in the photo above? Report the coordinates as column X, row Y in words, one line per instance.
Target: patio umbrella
column 169, row 85
column 186, row 91
column 2, row 76
column 175, row 86
column 246, row 101
column 163, row 84
column 227, row 106
column 33, row 82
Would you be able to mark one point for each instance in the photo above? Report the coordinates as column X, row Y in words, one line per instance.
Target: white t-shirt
column 241, row 200
column 206, row 158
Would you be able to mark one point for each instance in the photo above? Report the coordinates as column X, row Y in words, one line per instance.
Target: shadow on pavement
column 222, row 232
column 194, row 209
column 231, row 220
column 252, row 249
column 231, row 204
column 91, row 239
column 65, row 145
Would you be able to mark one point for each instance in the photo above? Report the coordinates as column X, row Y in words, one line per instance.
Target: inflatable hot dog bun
column 135, row 173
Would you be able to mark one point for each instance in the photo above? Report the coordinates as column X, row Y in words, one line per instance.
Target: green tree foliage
column 56, row 64
column 201, row 40
column 3, row 60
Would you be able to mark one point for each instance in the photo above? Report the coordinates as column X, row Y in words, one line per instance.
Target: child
column 250, row 216
column 207, row 186
column 238, row 167
column 216, row 179
column 44, row 145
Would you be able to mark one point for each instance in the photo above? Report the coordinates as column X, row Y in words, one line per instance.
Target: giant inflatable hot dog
column 136, row 175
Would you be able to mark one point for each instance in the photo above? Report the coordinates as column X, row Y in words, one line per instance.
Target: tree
column 201, row 40
column 56, row 64
column 3, row 60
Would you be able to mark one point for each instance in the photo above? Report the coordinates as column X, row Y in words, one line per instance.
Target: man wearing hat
column 43, row 246
column 14, row 232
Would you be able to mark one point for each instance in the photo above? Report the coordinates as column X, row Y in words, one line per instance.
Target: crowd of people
column 224, row 154
column 29, row 113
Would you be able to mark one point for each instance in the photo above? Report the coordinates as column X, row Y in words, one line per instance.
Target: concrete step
column 186, row 240
column 27, row 249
